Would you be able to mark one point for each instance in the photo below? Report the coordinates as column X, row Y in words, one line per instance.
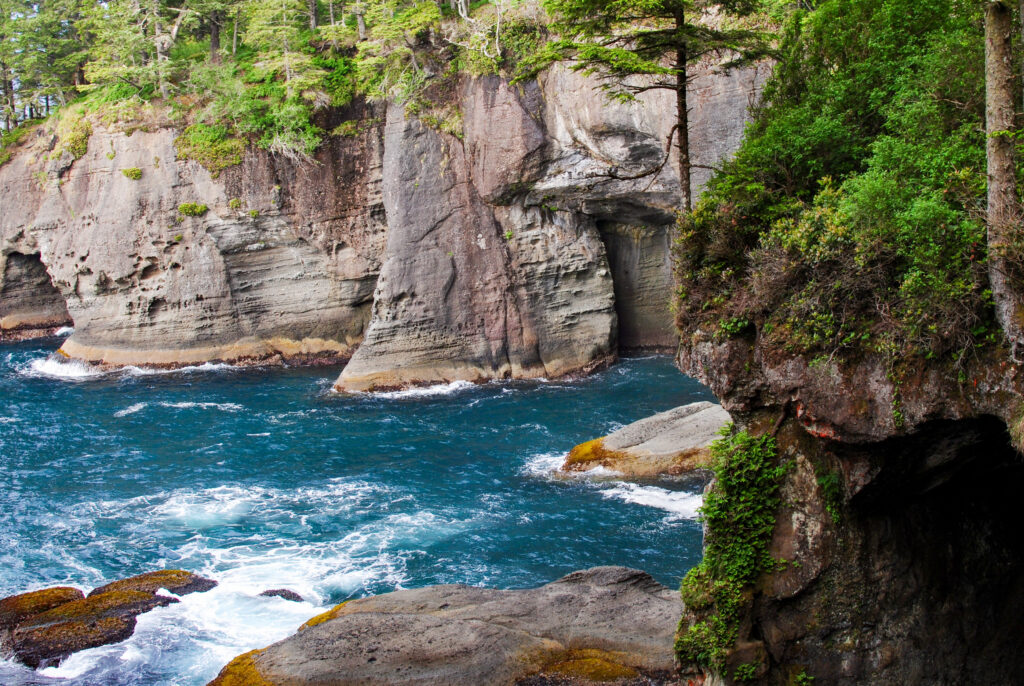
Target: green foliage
column 191, row 209
column 831, row 485
column 235, row 203
column 210, row 146
column 739, row 515
column 851, row 219
column 5, row 156
column 133, row 173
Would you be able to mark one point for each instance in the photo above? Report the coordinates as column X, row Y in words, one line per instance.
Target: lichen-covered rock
column 607, row 624
column 49, row 637
column 177, row 581
column 17, row 608
column 668, row 443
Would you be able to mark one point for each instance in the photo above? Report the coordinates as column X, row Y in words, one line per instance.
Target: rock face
column 41, row 628
column 282, row 263
column 668, row 443
column 898, row 522
column 508, row 251
column 599, row 625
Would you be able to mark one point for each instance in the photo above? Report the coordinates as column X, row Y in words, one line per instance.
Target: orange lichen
column 104, row 604
column 333, row 613
column 586, row 453
column 242, row 671
column 592, row 665
column 151, row 582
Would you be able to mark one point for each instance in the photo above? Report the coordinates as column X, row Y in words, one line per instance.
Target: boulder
column 668, row 443
column 607, row 624
column 177, row 581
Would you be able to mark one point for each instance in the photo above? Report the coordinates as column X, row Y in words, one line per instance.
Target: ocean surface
column 265, row 478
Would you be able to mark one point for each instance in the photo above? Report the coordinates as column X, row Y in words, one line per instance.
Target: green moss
column 254, row 213
column 235, row 203
column 73, row 132
column 739, row 515
column 178, row 237
column 18, row 607
column 210, row 146
column 591, row 665
column 192, row 209
column 101, row 605
column 5, row 157
column 133, row 173
column 831, row 485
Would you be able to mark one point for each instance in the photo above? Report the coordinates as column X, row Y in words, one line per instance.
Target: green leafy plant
column 739, row 516
column 235, row 203
column 210, row 146
column 133, row 173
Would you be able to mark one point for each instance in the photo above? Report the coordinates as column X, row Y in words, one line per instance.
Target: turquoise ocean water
column 264, row 478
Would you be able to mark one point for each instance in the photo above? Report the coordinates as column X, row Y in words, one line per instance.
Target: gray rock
column 668, row 443
column 283, row 593
column 608, row 620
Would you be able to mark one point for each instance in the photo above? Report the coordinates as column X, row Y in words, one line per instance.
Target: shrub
column 191, row 209
column 133, row 173
column 210, row 146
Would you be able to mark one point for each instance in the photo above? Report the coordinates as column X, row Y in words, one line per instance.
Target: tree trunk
column 234, row 37
column 683, row 119
column 360, row 23
column 311, row 4
column 1004, row 214
column 216, row 19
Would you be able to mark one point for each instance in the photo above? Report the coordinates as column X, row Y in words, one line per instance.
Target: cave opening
column 639, row 256
column 30, row 304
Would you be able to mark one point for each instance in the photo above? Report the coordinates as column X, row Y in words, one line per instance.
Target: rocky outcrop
column 277, row 259
column 899, row 558
column 666, row 444
column 600, row 625
column 41, row 628
column 507, row 250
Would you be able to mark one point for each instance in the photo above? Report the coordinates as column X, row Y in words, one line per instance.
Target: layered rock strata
column 595, row 626
column 507, row 250
column 666, row 444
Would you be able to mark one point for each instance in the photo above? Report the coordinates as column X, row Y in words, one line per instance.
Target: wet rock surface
column 669, row 443
column 602, row 625
column 283, row 593
column 41, row 628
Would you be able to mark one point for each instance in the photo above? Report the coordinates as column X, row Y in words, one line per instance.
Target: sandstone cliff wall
column 505, row 251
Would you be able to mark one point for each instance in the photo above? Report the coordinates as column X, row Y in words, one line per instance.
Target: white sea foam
column 205, row 367
column 69, row 370
column 64, row 331
column 131, row 409
column 544, row 465
column 226, row 407
column 427, row 391
column 8, row 420
column 679, row 504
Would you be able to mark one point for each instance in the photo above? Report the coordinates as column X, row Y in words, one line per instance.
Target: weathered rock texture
column 283, row 263
column 41, row 628
column 904, row 560
column 509, row 251
column 668, row 443
column 603, row 624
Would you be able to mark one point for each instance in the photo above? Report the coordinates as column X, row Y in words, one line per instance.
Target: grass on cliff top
column 739, row 516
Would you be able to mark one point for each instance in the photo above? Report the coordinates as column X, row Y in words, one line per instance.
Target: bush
column 133, row 173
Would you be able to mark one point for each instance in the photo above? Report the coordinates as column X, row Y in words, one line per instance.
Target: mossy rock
column 333, row 613
column 590, row 665
column 586, row 454
column 177, row 581
column 17, row 608
column 241, row 671
column 47, row 638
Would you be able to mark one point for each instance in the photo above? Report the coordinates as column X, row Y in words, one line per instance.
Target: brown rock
column 47, row 638
column 17, row 608
column 177, row 581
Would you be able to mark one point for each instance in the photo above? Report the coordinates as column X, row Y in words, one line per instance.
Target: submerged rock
column 41, row 628
column 606, row 624
column 283, row 593
column 668, row 443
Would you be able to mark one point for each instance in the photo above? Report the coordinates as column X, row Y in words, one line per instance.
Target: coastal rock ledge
column 601, row 625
